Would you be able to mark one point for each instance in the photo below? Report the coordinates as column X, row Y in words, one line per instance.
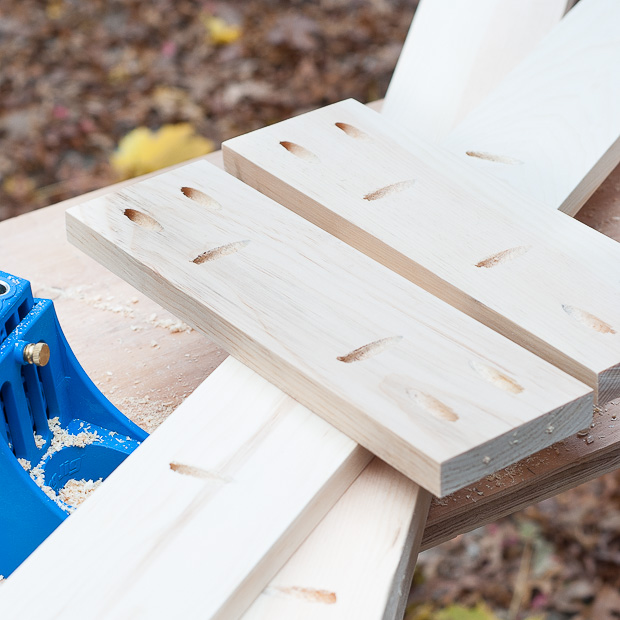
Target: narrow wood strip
column 345, row 581
column 456, row 53
column 384, row 361
column 222, row 494
column 534, row 281
column 556, row 113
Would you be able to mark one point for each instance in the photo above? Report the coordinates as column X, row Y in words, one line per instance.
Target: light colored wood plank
column 418, row 383
column 346, row 580
column 222, row 494
column 551, row 129
column 536, row 282
column 456, row 53
column 88, row 299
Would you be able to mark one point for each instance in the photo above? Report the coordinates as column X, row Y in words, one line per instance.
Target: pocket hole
column 143, row 220
column 500, row 159
column 388, row 190
column 299, row 151
column 589, row 320
column 351, row 131
column 369, row 350
column 219, row 252
column 504, row 256
column 201, row 198
column 496, row 378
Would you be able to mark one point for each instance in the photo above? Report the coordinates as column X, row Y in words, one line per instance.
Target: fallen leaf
column 219, row 31
column 142, row 151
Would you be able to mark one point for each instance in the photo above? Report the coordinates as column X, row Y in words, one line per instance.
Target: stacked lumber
column 394, row 362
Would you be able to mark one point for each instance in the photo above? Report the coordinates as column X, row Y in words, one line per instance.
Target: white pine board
column 535, row 280
column 456, row 53
column 439, row 396
column 551, row 128
column 346, row 568
column 195, row 522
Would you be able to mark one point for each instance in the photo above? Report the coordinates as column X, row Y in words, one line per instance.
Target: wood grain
column 421, row 385
column 344, row 580
column 456, row 53
column 556, row 116
column 534, row 281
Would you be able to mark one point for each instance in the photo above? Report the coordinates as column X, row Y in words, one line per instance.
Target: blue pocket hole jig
column 55, row 425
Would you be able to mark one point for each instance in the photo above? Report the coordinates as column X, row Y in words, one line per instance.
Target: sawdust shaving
column 147, row 414
column 76, row 491
column 61, row 438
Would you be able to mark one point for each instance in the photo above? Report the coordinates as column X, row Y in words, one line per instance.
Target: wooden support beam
column 551, row 128
column 456, row 53
column 431, row 391
column 535, row 282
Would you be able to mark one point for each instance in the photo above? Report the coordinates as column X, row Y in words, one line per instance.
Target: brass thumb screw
column 37, row 354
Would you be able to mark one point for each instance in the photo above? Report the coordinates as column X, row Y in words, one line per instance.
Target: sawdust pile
column 76, row 491
column 61, row 438
column 146, row 413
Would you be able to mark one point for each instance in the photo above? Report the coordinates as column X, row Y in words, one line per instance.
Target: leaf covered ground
column 91, row 92
column 77, row 77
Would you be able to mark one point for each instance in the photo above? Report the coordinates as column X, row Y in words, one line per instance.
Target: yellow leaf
column 219, row 31
column 55, row 9
column 142, row 151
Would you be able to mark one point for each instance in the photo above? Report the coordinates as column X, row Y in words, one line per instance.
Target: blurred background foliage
column 161, row 80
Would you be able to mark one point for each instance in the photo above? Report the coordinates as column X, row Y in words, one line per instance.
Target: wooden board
column 551, row 129
column 536, row 282
column 456, row 53
column 421, row 385
column 128, row 328
column 345, row 580
column 224, row 492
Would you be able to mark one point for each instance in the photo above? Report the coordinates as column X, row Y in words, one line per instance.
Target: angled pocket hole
column 219, row 252
column 504, row 256
column 388, row 190
column 434, row 406
column 369, row 350
column 499, row 159
column 352, row 131
column 201, row 198
column 143, row 220
column 299, row 151
column 197, row 472
column 589, row 320
column 496, row 378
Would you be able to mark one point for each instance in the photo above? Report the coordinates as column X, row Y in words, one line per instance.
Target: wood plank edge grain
column 403, row 577
column 592, row 181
